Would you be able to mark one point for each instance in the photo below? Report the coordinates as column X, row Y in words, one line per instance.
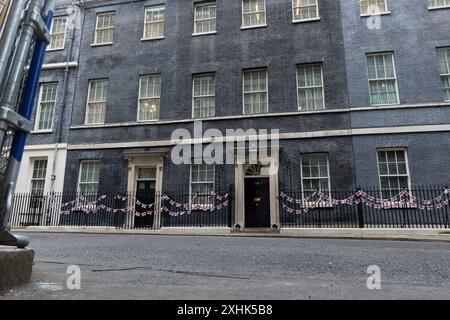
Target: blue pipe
column 26, row 105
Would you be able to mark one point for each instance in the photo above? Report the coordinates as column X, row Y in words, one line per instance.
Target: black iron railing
column 418, row 207
column 122, row 210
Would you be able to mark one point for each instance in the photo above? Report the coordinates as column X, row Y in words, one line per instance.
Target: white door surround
column 239, row 190
column 136, row 161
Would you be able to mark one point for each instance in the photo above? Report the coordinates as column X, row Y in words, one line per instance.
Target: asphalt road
column 179, row 267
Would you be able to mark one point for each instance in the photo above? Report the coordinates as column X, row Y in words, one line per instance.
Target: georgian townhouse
column 358, row 89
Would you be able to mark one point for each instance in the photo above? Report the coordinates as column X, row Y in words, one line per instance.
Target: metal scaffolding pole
column 34, row 28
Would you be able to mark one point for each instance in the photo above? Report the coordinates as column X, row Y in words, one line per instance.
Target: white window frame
column 383, row 79
column 79, row 174
column 305, row 20
column 437, row 7
column 209, row 205
column 257, row 25
column 386, row 5
column 311, row 178
column 153, row 8
column 33, row 162
column 447, row 55
column 39, row 109
column 406, row 163
column 139, row 98
column 207, row 96
column 243, row 90
column 87, row 102
column 99, row 14
column 298, row 88
column 203, row 4
column 49, row 48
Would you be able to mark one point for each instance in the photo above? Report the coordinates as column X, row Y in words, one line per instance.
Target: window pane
column 255, row 91
column 304, row 9
column 253, row 12
column 149, row 97
column 314, row 169
column 205, row 18
column 57, row 33
column 393, row 171
column 104, row 28
column 203, row 96
column 46, row 106
column 154, row 22
column 310, row 87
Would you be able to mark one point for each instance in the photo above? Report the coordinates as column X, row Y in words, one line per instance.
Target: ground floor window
column 393, row 171
column 89, row 178
column 315, row 174
column 202, row 183
column 38, row 176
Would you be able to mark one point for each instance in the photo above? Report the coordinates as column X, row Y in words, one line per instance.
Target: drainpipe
column 59, row 128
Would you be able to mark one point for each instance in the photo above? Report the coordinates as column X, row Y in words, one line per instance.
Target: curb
column 424, row 235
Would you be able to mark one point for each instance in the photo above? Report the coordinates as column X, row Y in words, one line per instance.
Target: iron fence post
column 360, row 209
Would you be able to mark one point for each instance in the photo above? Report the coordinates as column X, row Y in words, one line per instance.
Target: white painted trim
column 274, row 114
column 282, row 136
column 60, row 65
column 46, row 146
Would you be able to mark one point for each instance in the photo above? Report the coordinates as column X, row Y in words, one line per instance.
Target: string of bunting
column 167, row 205
column 404, row 198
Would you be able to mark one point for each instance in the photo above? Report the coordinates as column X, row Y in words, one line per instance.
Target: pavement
column 121, row 266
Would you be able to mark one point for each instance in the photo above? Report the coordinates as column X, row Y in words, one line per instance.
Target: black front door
column 145, row 194
column 257, row 203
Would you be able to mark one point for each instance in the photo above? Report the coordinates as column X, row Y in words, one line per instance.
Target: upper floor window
column 154, row 22
column 253, row 13
column 444, row 67
column 310, row 87
column 255, row 91
column 46, row 106
column 315, row 174
column 96, row 103
column 382, row 79
column 204, row 96
column 58, row 33
column 304, row 10
column 393, row 171
column 38, row 176
column 88, row 178
column 205, row 18
column 104, row 28
column 435, row 4
column 371, row 7
column 149, row 97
